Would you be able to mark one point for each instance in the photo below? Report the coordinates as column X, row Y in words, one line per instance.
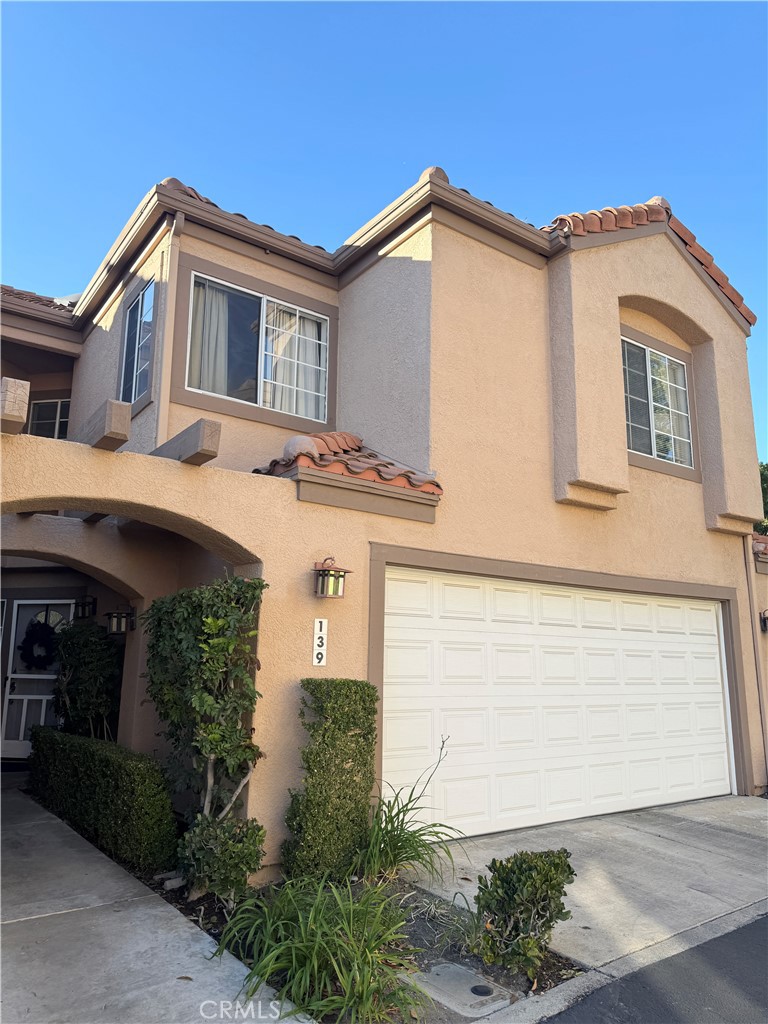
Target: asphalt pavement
column 723, row 981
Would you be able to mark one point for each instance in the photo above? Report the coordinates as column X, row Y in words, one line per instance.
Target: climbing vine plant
column 201, row 665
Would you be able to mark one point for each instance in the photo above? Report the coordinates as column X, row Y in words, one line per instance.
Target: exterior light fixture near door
column 118, row 623
column 330, row 578
column 85, row 607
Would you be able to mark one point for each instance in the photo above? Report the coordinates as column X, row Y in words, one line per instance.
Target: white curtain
column 209, row 345
column 282, row 325
column 311, row 406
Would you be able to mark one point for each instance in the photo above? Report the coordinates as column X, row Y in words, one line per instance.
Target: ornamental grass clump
column 519, row 904
column 398, row 837
column 336, row 951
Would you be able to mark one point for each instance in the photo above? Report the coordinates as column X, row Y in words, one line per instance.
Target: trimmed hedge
column 329, row 820
column 114, row 797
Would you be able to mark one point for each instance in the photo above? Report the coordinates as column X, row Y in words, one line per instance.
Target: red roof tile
column 6, row 291
column 345, row 454
column 653, row 211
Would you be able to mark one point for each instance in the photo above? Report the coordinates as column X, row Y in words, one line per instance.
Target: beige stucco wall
column 455, row 378
column 590, row 439
column 96, row 376
column 238, row 514
column 384, row 338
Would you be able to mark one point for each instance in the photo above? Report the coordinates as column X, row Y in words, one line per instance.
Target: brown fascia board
column 435, row 191
column 239, row 227
column 162, row 201
column 143, row 219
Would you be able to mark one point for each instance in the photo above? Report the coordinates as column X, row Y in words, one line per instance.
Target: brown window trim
column 130, row 296
column 641, row 461
column 229, row 406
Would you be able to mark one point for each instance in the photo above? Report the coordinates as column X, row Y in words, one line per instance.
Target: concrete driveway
column 84, row 942
column 643, row 877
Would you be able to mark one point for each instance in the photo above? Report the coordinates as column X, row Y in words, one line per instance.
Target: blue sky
column 312, row 117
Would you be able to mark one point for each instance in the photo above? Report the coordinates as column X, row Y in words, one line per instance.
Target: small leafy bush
column 219, row 855
column 333, row 950
column 201, row 664
column 398, row 838
column 329, row 818
column 115, row 797
column 519, row 904
column 87, row 692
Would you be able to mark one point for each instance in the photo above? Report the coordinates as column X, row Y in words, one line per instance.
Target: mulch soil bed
column 428, row 928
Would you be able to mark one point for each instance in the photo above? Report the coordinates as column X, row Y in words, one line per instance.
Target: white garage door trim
column 444, row 643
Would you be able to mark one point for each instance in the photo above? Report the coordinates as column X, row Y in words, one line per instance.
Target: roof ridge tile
column 653, row 211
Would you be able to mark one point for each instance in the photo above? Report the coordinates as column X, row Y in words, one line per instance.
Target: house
column 532, row 448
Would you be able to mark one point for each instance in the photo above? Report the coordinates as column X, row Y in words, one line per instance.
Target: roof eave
column 125, row 247
column 211, row 216
column 62, row 317
column 435, row 191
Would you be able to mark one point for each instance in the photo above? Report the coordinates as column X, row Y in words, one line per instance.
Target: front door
column 32, row 670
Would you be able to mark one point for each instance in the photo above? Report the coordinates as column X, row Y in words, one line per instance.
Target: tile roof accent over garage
column 345, row 454
column 620, row 218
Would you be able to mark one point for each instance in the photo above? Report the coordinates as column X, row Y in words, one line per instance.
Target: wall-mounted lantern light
column 764, row 621
column 85, row 607
column 329, row 578
column 118, row 623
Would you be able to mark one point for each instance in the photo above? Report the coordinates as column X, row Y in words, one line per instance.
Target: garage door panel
column 462, row 601
column 557, row 703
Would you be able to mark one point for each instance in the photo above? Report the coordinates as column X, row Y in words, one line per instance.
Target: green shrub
column 329, row 818
column 201, row 663
column 398, row 837
column 219, row 855
column 333, row 950
column 114, row 797
column 520, row 904
column 87, row 691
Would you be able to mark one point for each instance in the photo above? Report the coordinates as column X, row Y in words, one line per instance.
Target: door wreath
column 38, row 648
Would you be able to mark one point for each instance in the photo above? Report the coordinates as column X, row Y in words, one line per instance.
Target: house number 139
column 320, row 646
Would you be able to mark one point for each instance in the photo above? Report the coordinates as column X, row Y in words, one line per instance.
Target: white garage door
column 559, row 702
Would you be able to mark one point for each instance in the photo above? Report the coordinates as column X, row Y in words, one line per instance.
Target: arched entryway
column 124, row 563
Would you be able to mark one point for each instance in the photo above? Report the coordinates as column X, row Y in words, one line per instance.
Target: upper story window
column 254, row 349
column 49, row 418
column 656, row 403
column 138, row 345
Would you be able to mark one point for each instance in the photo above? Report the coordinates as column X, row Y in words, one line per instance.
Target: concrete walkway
column 84, row 942
column 643, row 877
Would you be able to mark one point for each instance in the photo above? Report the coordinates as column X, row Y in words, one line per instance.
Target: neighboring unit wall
column 384, row 370
column 98, row 374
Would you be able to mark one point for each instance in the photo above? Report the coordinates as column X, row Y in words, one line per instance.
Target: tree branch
column 236, row 794
column 209, row 785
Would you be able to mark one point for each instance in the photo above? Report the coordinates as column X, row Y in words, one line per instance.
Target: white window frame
column 48, row 401
column 139, row 298
column 260, row 354
column 649, row 385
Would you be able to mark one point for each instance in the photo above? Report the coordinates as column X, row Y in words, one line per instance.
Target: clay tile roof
column 7, row 292
column 343, row 453
column 191, row 193
column 653, row 211
column 760, row 546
